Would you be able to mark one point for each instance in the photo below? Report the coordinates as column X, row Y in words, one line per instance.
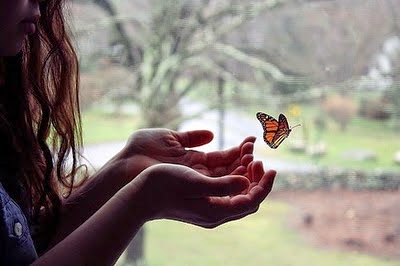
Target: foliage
column 291, row 86
column 335, row 178
column 169, row 47
column 395, row 99
column 112, row 82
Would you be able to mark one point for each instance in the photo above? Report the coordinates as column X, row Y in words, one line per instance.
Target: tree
column 179, row 44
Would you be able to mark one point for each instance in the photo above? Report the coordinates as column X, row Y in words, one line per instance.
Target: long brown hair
column 40, row 127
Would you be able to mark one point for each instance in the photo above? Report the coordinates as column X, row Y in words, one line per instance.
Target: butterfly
column 274, row 131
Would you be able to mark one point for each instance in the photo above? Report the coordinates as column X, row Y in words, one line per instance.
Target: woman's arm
column 101, row 239
column 89, row 198
column 162, row 191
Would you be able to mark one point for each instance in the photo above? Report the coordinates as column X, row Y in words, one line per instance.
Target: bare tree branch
column 249, row 60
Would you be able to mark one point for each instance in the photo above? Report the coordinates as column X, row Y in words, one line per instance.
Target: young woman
column 50, row 212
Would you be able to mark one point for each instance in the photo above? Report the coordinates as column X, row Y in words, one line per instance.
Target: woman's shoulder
column 16, row 245
column 4, row 197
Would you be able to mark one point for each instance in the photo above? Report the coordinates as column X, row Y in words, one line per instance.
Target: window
column 332, row 66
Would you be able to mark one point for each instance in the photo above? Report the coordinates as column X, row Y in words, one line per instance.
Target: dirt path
column 363, row 221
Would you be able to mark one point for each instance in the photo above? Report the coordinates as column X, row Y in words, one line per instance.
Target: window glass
column 330, row 66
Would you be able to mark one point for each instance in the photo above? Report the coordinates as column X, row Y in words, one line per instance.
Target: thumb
column 194, row 138
column 219, row 186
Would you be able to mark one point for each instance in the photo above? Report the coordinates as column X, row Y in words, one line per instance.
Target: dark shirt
column 16, row 245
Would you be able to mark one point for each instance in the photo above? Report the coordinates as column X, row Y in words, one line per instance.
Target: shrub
column 375, row 108
column 334, row 178
column 340, row 108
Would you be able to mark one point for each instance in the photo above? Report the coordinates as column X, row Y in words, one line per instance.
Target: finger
column 251, row 139
column 205, row 186
column 267, row 180
column 246, row 160
column 250, row 172
column 241, row 170
column 231, row 157
column 194, row 138
column 257, row 171
column 260, row 191
column 247, row 147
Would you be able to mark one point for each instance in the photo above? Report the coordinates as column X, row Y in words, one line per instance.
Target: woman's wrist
column 137, row 197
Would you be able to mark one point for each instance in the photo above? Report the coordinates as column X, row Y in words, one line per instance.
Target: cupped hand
column 179, row 193
column 148, row 147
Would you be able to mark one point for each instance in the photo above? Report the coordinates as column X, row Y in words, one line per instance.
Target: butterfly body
column 275, row 131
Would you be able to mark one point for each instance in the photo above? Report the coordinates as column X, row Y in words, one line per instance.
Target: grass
column 361, row 134
column 101, row 127
column 261, row 239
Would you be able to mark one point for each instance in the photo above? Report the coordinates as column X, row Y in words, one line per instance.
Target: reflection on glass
column 214, row 65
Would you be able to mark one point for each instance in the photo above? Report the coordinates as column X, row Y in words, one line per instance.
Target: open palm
column 148, row 147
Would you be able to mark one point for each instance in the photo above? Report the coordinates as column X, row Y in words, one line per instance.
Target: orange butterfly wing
column 274, row 131
column 283, row 130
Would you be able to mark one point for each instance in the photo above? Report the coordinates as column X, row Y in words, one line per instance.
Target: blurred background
column 331, row 65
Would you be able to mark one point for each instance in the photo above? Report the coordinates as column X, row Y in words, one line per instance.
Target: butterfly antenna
column 298, row 125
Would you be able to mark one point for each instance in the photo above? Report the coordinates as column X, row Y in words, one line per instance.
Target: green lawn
column 261, row 239
column 101, row 127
